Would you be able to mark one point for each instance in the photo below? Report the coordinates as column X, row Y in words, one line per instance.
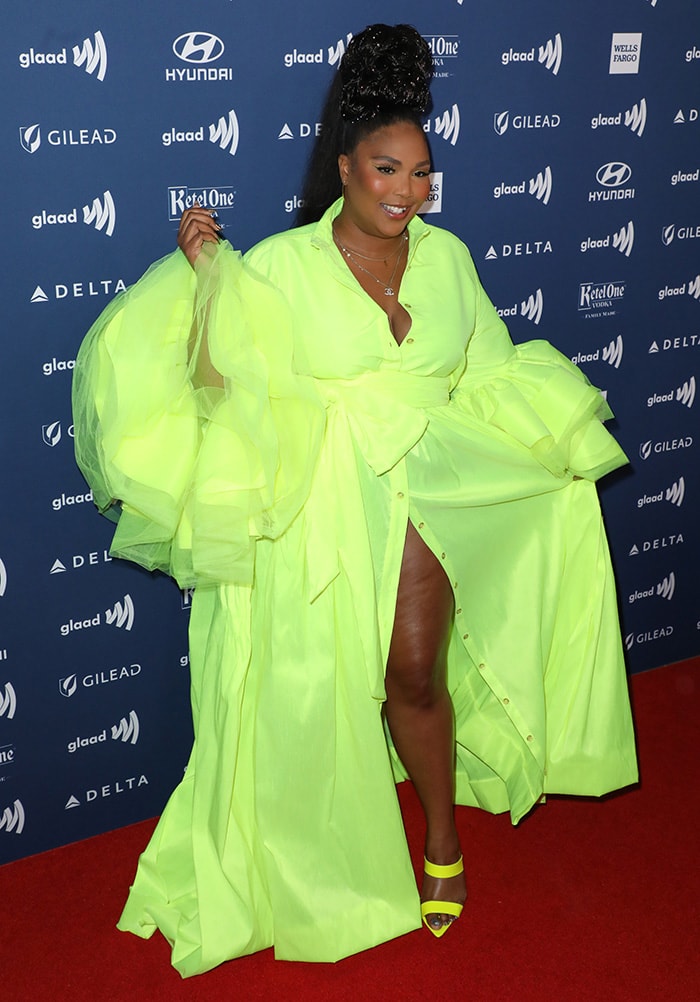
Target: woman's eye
column 385, row 168
column 422, row 173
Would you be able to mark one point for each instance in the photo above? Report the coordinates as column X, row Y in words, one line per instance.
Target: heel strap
column 446, row 870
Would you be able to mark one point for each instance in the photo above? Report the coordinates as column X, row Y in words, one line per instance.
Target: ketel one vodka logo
column 12, row 818
column 91, row 55
column 127, row 731
column 120, row 615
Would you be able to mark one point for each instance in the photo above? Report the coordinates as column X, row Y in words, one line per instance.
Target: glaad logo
column 623, row 241
column 68, row 686
column 635, row 118
column 549, row 55
column 91, row 55
column 667, row 445
column 671, row 232
column 684, row 394
column 502, row 121
column 334, row 53
column 611, row 353
column 3, row 578
column 540, row 186
column 8, row 701
column 446, row 125
column 12, row 818
column 180, row 198
column 664, row 589
column 530, row 308
column 625, row 51
column 30, row 137
column 101, row 214
column 127, row 730
column 675, row 495
column 120, row 615
column 692, row 54
column 692, row 288
column 198, row 49
column 681, row 178
column 225, row 133
column 612, row 177
column 601, row 299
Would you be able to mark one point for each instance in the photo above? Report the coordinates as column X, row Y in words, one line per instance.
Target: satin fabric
column 259, row 433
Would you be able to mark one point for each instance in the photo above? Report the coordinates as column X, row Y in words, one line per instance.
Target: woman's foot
column 441, row 888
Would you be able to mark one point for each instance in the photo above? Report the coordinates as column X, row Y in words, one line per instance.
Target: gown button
column 400, row 494
column 421, row 525
column 409, row 340
column 458, row 612
column 529, row 738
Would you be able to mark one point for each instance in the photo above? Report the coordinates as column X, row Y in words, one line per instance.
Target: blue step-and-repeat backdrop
column 566, row 146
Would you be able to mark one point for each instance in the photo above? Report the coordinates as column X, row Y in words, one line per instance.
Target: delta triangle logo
column 57, row 567
column 285, row 132
column 39, row 296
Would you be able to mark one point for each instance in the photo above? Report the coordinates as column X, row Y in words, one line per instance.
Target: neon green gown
column 282, row 490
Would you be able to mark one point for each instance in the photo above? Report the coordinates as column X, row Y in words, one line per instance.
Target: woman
column 390, row 516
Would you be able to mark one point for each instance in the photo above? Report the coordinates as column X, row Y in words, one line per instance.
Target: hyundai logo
column 614, row 174
column 198, row 47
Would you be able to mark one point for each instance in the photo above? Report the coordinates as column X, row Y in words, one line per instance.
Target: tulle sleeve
column 537, row 396
column 191, row 426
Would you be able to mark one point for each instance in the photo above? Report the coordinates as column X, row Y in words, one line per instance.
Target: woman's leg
column 419, row 709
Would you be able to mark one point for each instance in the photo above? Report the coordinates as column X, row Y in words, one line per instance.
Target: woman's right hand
column 196, row 226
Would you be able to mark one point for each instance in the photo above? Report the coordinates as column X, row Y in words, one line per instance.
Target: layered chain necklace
column 353, row 255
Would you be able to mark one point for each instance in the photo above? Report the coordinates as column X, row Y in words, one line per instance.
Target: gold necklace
column 388, row 287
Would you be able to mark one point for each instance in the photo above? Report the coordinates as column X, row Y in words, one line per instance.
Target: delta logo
column 329, row 55
column 90, row 55
column 623, row 241
column 549, row 55
column 77, row 290
column 525, row 248
column 540, row 186
column 114, row 788
column 197, row 49
column 101, row 214
column 634, row 119
column 688, row 117
column 675, row 343
column 530, row 308
column 611, row 353
column 660, row 543
column 224, row 133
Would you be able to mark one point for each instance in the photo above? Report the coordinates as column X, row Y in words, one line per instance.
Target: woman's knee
column 418, row 681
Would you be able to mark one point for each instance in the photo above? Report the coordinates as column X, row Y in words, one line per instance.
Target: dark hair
column 383, row 78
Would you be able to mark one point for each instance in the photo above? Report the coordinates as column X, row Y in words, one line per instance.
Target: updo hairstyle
column 384, row 78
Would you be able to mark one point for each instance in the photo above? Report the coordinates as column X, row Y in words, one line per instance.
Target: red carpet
column 585, row 901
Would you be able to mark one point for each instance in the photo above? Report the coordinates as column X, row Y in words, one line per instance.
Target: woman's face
column 386, row 179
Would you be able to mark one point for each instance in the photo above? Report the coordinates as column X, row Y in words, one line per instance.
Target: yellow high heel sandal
column 441, row 907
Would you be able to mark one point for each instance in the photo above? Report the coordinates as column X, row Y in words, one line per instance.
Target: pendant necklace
column 387, row 286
